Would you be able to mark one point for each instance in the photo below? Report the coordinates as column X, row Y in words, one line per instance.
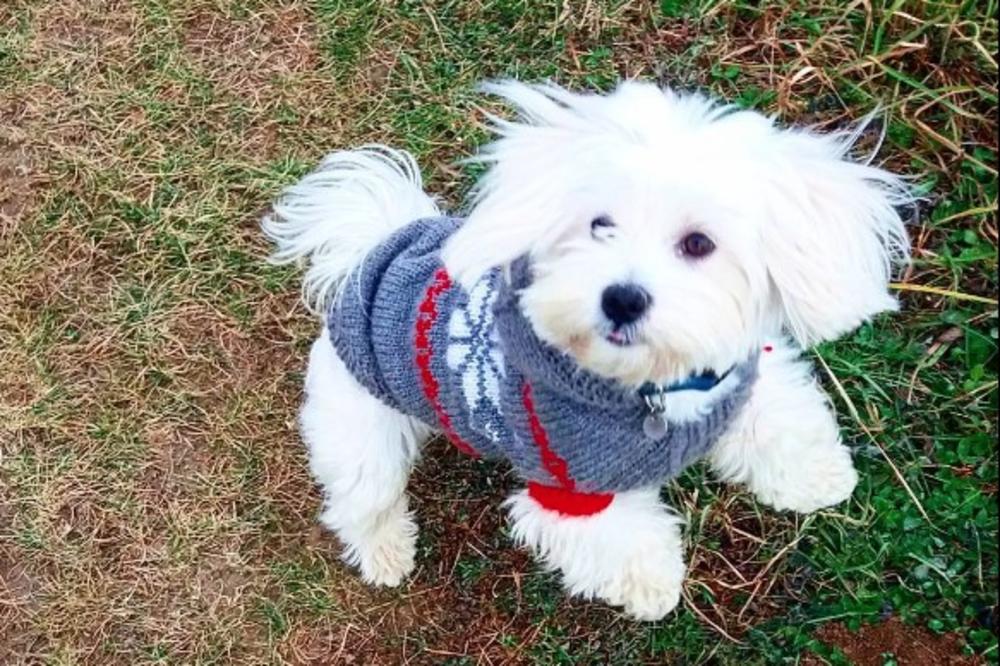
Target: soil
column 16, row 169
column 909, row 645
column 19, row 591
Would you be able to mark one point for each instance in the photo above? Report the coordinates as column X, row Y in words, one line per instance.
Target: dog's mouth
column 622, row 336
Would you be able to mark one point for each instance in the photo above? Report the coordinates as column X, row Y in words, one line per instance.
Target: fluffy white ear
column 514, row 207
column 832, row 235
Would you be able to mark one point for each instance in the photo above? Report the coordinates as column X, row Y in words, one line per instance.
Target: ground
column 154, row 501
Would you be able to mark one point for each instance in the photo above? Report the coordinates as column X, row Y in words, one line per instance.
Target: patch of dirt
column 19, row 598
column 178, row 454
column 740, row 562
column 267, row 62
column 213, row 357
column 78, row 41
column 76, row 26
column 910, row 645
column 250, row 53
column 17, row 586
column 219, row 583
column 20, row 387
column 18, row 172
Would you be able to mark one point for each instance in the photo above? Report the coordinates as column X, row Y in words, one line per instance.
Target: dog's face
column 654, row 278
column 667, row 235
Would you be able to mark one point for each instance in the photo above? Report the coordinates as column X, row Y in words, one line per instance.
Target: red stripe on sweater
column 563, row 498
column 427, row 314
column 551, row 461
column 569, row 502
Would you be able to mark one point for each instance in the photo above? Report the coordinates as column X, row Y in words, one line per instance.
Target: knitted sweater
column 470, row 364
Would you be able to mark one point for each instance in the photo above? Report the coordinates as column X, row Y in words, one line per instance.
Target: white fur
column 805, row 236
column 629, row 555
column 785, row 445
column 337, row 213
column 805, row 240
column 361, row 452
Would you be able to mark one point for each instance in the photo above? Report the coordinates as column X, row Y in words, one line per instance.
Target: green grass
column 154, row 500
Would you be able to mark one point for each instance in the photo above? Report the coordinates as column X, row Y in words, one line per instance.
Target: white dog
column 631, row 289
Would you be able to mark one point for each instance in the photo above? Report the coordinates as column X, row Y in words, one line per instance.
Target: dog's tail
column 337, row 214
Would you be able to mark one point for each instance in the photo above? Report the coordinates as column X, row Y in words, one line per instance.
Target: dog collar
column 655, row 398
column 706, row 381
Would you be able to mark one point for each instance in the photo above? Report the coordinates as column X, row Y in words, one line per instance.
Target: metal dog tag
column 655, row 425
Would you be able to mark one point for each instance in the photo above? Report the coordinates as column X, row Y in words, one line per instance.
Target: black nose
column 625, row 303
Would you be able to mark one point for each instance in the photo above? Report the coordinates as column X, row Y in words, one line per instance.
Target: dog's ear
column 513, row 207
column 832, row 234
column 500, row 227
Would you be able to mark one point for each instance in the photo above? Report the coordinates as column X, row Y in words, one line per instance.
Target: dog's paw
column 383, row 549
column 388, row 555
column 820, row 477
column 647, row 598
column 648, row 586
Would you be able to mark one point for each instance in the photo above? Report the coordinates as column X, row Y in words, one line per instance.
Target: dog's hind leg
column 361, row 452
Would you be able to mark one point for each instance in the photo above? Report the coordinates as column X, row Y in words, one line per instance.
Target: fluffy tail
column 338, row 213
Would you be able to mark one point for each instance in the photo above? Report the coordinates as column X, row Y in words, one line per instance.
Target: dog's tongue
column 617, row 336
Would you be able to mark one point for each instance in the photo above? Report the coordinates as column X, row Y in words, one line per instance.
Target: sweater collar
column 541, row 363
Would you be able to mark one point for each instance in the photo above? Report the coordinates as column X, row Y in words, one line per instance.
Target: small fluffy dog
column 630, row 291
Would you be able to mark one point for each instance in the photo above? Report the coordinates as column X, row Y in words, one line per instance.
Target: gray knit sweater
column 470, row 364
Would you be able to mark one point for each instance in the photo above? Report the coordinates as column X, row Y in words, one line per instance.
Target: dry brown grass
column 154, row 500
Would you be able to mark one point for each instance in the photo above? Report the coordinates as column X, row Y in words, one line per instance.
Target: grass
column 154, row 501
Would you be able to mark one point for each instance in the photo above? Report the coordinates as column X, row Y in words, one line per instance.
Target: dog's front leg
column 628, row 554
column 785, row 444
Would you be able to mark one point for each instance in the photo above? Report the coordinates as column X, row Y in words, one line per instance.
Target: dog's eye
column 696, row 245
column 602, row 227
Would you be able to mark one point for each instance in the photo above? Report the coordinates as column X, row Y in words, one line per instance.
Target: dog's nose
column 625, row 303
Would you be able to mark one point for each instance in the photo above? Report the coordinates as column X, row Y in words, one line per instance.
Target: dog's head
column 668, row 234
